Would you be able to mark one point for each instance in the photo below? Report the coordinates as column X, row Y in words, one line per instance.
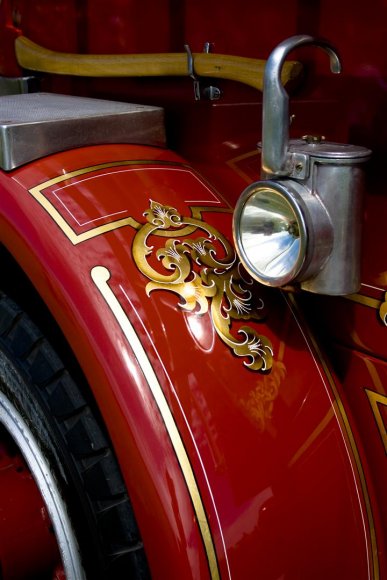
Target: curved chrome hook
column 275, row 121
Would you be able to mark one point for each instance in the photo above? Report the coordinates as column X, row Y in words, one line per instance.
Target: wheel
column 64, row 510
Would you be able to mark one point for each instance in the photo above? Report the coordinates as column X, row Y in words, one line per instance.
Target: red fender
column 233, row 436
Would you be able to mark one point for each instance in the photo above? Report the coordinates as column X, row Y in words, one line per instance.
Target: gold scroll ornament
column 203, row 280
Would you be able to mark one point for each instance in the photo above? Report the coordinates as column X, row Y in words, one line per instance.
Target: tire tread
column 91, row 453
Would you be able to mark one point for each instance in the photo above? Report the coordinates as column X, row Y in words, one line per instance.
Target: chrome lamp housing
column 302, row 222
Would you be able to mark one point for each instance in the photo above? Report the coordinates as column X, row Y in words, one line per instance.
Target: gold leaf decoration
column 204, row 272
column 260, row 401
column 383, row 310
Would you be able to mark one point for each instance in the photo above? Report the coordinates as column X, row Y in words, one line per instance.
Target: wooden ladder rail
column 248, row 71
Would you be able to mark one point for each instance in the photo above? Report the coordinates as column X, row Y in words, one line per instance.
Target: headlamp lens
column 270, row 234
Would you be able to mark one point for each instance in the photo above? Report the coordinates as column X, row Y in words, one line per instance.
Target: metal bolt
column 313, row 138
column 212, row 93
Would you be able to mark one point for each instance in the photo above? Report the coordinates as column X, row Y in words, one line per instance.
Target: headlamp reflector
column 270, row 233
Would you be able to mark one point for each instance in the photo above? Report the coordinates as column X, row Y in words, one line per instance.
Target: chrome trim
column 14, row 423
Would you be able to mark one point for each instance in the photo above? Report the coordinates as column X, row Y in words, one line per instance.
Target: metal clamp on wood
column 191, row 72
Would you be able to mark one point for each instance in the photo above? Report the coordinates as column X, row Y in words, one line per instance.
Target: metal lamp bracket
column 275, row 127
column 302, row 222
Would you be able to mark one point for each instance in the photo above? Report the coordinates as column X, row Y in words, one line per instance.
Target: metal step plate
column 39, row 124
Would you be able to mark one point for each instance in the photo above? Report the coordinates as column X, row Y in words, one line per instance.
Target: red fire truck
column 193, row 288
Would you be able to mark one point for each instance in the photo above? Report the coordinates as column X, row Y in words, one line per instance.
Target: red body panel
column 279, row 469
column 24, row 504
column 289, row 465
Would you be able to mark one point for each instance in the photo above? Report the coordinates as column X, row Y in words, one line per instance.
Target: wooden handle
column 249, row 71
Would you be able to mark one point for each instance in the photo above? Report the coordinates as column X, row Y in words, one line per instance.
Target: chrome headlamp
column 282, row 233
column 302, row 222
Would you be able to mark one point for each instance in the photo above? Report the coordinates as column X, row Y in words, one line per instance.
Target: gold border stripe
column 101, row 276
column 75, row 238
column 233, row 164
column 364, row 300
column 375, row 399
column 313, row 436
column 346, row 424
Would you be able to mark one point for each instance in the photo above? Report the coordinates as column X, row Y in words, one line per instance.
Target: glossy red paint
column 136, row 428
column 364, row 379
column 282, row 476
column 285, row 495
column 28, row 546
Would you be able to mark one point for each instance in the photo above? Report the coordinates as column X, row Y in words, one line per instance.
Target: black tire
column 70, row 436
